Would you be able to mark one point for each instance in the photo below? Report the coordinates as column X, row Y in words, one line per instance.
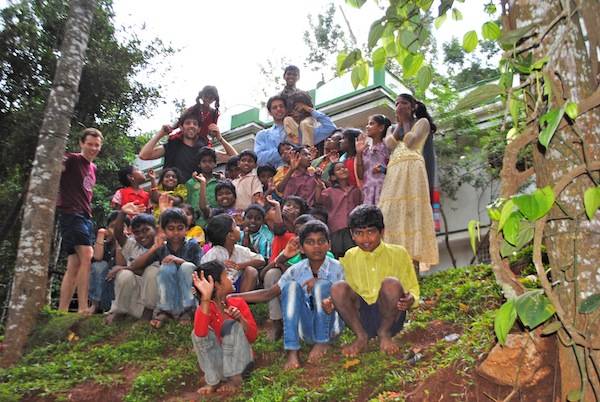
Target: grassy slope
column 145, row 364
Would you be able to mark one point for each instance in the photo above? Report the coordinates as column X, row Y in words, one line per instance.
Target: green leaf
column 535, row 205
column 511, row 134
column 411, row 64
column 439, row 21
column 540, row 63
column 425, row 5
column 364, row 74
column 470, row 41
column 493, row 213
column 551, row 328
column 490, row 31
column 507, row 210
column 341, row 57
column 473, row 228
column 355, row 77
column 590, row 304
column 379, row 58
column 533, row 308
column 390, row 46
column 591, row 200
column 456, row 15
column 511, row 228
column 549, row 122
column 356, row 3
column 375, row 33
column 479, row 96
column 525, row 234
column 571, row 110
column 509, row 38
column 507, row 249
column 424, row 77
column 445, row 5
column 574, row 395
column 514, row 105
column 504, row 320
column 506, row 79
column 407, row 39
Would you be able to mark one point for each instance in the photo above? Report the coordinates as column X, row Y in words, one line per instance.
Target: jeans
column 305, row 318
column 232, row 356
column 175, row 288
column 101, row 290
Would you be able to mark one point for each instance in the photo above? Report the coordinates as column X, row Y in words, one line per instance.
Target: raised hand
column 131, row 208
column 361, row 143
column 159, row 239
column 274, row 203
column 102, row 232
column 214, row 130
column 292, row 247
column 165, row 130
column 205, row 287
column 199, row 178
column 151, row 174
column 295, row 160
column 165, row 201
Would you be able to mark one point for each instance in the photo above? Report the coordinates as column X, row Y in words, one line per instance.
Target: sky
column 224, row 42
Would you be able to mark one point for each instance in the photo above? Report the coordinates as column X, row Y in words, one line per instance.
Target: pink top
column 76, row 184
column 339, row 203
column 302, row 185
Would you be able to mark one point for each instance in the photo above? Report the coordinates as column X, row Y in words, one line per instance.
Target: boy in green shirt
column 380, row 284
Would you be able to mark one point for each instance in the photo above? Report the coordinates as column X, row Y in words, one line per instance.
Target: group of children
column 305, row 237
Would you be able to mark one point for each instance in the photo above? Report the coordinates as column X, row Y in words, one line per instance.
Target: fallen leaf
column 463, row 307
column 351, row 363
column 72, row 337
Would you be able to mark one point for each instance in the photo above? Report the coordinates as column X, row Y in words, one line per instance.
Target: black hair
column 113, row 215
column 300, row 97
column 265, row 168
column 285, row 143
column 313, row 226
column 318, row 213
column 206, row 151
column 291, row 67
column 217, row 229
column 382, row 121
column 190, row 113
column 171, row 169
column 365, row 216
column 420, row 110
column 249, row 153
column 172, row 215
column 210, row 90
column 142, row 219
column 191, row 209
column 123, row 175
column 350, row 134
column 302, row 219
column 212, row 268
column 232, row 162
column 273, row 99
column 255, row 207
column 225, row 184
column 299, row 201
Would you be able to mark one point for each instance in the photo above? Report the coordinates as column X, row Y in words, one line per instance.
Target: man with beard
column 182, row 152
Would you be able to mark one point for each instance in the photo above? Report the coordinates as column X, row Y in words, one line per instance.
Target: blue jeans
column 101, row 290
column 175, row 288
column 304, row 318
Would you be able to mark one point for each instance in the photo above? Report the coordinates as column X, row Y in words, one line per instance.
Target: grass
column 66, row 350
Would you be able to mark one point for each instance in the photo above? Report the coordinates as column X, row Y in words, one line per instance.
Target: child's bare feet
column 233, row 384
column 317, row 352
column 355, row 347
column 207, row 389
column 274, row 330
column 112, row 317
column 388, row 346
column 293, row 362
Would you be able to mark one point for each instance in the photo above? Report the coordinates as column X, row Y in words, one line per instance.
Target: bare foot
column 112, row 317
column 86, row 311
column 355, row 347
column 274, row 330
column 207, row 389
column 293, row 362
column 388, row 346
column 233, row 384
column 317, row 352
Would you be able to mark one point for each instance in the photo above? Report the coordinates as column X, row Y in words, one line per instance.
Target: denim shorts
column 76, row 230
column 370, row 318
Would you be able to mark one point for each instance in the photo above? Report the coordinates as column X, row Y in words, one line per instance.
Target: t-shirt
column 365, row 271
column 340, row 203
column 245, row 187
column 76, row 184
column 132, row 250
column 126, row 195
column 193, row 196
column 302, row 185
column 279, row 243
column 240, row 254
column 183, row 157
column 261, row 241
column 190, row 251
column 214, row 319
column 330, row 270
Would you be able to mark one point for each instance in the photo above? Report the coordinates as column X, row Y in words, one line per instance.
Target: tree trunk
column 30, row 278
column 571, row 239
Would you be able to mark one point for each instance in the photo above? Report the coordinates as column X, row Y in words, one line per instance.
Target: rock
column 502, row 364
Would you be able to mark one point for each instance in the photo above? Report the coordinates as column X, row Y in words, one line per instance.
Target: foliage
column 110, row 95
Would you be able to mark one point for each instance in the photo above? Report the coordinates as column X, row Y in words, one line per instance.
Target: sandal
column 159, row 319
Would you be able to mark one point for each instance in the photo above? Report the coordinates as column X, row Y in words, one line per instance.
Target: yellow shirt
column 196, row 232
column 365, row 271
column 279, row 174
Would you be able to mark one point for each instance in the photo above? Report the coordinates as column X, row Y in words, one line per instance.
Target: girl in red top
column 206, row 114
column 131, row 178
column 348, row 146
column 224, row 328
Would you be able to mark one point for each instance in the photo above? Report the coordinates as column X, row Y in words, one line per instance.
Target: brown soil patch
column 92, row 392
column 448, row 384
column 420, row 338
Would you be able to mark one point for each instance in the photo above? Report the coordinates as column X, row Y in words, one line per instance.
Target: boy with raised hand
column 298, row 181
column 74, row 206
column 305, row 296
column 178, row 258
column 207, row 165
column 136, row 292
column 380, row 285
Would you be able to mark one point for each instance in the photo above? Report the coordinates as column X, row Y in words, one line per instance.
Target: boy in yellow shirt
column 380, row 285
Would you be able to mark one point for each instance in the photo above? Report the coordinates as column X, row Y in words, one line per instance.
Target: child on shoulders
column 242, row 263
column 224, row 328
